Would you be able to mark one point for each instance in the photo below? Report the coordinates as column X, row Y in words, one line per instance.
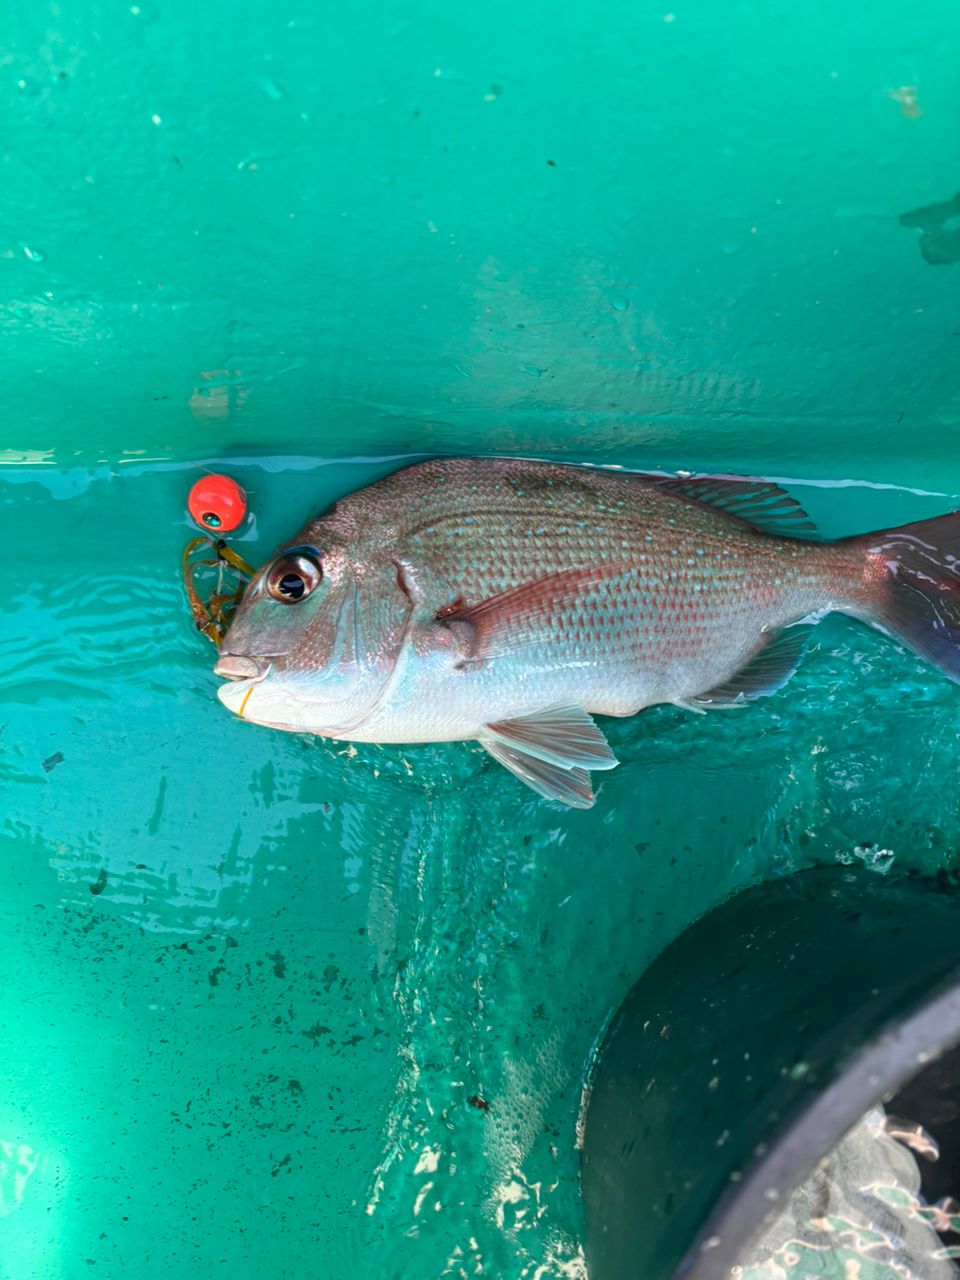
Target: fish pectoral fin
column 569, row 786
column 565, row 736
column 767, row 671
column 521, row 616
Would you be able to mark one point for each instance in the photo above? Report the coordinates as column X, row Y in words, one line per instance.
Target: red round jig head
column 217, row 503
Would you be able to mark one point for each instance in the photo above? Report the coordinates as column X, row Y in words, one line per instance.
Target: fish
column 508, row 602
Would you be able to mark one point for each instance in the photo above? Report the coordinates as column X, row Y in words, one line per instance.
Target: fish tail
column 910, row 587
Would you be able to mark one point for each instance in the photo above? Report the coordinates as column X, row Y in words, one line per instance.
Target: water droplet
column 270, row 88
column 34, row 255
column 619, row 303
column 874, row 859
column 156, row 119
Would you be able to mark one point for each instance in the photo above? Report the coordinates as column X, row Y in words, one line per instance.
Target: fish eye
column 293, row 577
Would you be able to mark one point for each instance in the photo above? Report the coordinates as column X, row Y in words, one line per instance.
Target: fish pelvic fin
column 564, row 736
column 567, row 786
column 552, row 751
column 911, row 588
column 768, row 670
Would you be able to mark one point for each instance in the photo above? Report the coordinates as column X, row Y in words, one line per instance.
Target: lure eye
column 293, row 578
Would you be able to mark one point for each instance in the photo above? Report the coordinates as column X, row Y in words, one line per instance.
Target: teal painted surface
column 250, row 1050
column 297, row 226
column 250, row 981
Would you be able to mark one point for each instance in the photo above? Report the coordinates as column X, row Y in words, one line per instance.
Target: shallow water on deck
column 250, row 982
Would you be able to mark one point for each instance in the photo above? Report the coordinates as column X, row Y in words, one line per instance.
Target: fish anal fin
column 760, row 503
column 567, row 786
column 767, row 671
column 565, row 736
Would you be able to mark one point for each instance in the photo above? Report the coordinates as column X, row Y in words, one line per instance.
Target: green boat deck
column 249, row 982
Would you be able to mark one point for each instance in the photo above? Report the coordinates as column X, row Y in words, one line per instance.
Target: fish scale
column 508, row 601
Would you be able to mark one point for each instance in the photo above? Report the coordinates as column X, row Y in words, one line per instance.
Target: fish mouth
column 242, row 674
column 237, row 666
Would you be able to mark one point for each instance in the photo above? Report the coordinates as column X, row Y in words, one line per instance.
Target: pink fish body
column 509, row 601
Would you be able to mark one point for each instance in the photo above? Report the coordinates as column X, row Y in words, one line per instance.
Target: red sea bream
column 508, row 602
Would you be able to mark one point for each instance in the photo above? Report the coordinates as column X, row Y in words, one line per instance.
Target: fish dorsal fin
column 568, row 786
column 767, row 671
column 521, row 616
column 564, row 736
column 760, row 503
